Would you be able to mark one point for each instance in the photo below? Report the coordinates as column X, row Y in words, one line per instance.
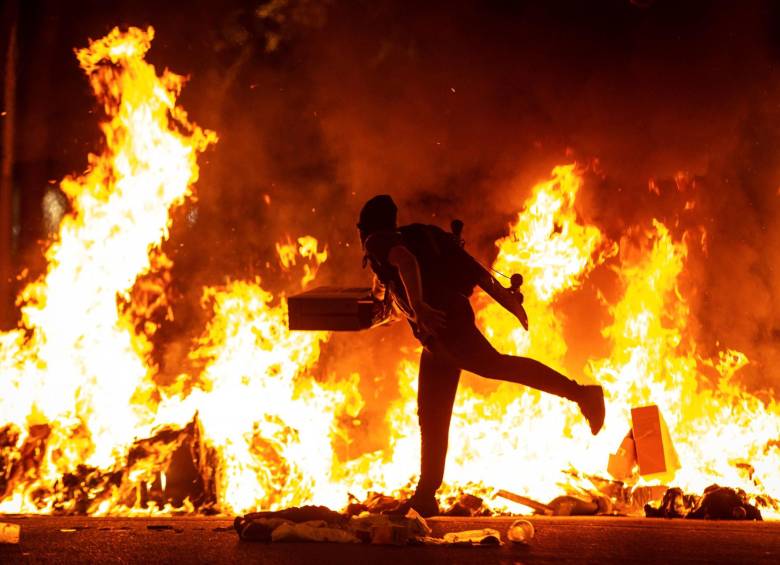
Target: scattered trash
column 419, row 525
column 525, row 501
column 486, row 536
column 716, row 503
column 300, row 514
column 258, row 529
column 640, row 496
column 9, row 533
column 223, row 529
column 723, row 503
column 675, row 504
column 384, row 529
column 377, row 529
column 521, row 531
column 573, row 506
column 392, row 534
column 377, row 519
column 260, row 526
column 377, row 503
column 315, row 530
column 466, row 505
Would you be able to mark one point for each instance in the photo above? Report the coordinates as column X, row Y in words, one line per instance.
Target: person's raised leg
column 474, row 353
column 437, row 386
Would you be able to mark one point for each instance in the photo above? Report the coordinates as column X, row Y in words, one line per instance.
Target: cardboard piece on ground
column 9, row 533
column 655, row 452
column 621, row 463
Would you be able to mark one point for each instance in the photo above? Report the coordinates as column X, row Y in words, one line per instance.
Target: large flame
column 722, row 433
column 76, row 364
column 85, row 427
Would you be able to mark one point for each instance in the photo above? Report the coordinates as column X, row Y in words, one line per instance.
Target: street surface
column 557, row 540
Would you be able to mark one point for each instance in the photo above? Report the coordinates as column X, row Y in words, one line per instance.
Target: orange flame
column 76, row 363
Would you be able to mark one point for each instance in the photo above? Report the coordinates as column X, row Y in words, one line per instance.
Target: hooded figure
column 428, row 277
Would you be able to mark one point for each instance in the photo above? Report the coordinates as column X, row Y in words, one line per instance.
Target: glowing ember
column 79, row 401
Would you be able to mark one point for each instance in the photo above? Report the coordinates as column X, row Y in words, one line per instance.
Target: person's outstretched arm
column 511, row 301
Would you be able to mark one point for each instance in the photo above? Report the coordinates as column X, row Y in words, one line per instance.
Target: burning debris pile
column 87, row 426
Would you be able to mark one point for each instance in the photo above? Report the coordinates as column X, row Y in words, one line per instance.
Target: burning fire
column 76, row 377
column 85, row 427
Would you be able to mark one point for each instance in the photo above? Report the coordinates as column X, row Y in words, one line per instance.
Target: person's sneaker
column 425, row 506
column 592, row 407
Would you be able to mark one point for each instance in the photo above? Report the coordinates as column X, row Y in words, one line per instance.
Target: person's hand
column 430, row 320
column 518, row 310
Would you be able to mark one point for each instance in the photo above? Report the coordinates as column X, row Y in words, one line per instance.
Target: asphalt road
column 573, row 540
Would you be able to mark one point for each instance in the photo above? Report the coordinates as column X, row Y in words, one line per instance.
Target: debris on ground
column 378, row 503
column 316, row 523
column 380, row 519
column 540, row 508
column 573, row 506
column 716, row 503
column 584, row 504
column 9, row 533
column 467, row 505
column 315, row 530
column 485, row 536
column 640, row 496
column 675, row 504
column 259, row 526
column 521, row 531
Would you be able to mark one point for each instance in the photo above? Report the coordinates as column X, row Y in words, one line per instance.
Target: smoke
column 457, row 112
column 457, row 109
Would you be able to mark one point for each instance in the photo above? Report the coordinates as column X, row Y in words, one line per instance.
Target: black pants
column 462, row 346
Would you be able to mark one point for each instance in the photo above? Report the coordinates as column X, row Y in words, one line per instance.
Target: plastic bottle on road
column 521, row 531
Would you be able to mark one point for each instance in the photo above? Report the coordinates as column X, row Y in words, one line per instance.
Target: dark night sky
column 450, row 106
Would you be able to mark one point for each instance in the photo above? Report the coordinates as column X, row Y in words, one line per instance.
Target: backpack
column 444, row 264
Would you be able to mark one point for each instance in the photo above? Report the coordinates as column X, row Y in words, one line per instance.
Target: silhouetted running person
column 424, row 272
